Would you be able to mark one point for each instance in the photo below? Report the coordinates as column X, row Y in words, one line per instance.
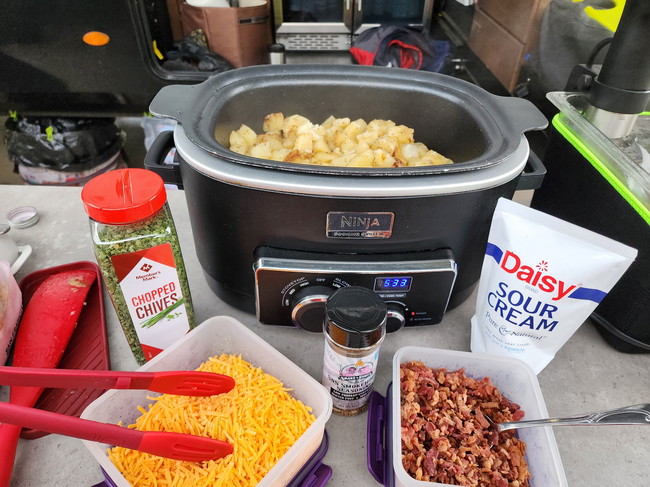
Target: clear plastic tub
column 515, row 380
column 220, row 334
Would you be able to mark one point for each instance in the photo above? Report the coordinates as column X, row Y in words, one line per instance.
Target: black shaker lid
column 355, row 317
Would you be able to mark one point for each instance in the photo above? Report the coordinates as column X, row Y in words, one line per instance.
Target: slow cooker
column 279, row 238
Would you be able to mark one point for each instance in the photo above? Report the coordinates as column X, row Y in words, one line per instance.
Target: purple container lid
column 379, row 450
column 313, row 474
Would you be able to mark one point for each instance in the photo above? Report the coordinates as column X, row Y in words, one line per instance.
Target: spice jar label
column 349, row 379
column 149, row 281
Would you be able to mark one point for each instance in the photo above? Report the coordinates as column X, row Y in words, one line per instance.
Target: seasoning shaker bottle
column 354, row 328
column 277, row 53
column 140, row 258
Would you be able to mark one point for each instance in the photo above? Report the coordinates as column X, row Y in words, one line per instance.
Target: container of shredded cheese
column 220, row 339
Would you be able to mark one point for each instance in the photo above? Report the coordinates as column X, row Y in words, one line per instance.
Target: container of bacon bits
column 444, row 396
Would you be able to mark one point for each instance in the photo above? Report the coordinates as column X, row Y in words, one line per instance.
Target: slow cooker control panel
column 292, row 287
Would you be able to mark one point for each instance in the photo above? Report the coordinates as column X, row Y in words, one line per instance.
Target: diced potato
column 293, row 123
column 368, row 136
column 321, row 145
column 328, row 123
column 365, row 159
column 261, row 151
column 280, row 155
column 422, row 149
column 273, row 122
column 408, row 153
column 346, row 144
column 238, row 143
column 383, row 158
column 294, row 156
column 324, row 158
column 248, row 134
column 339, row 125
column 380, row 126
column 403, row 134
column 354, row 129
column 289, row 141
column 361, row 147
column 431, row 157
column 336, row 142
column 304, row 143
column 386, row 143
column 342, row 160
column 274, row 140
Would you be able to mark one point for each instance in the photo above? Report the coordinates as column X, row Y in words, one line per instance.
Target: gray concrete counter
column 586, row 375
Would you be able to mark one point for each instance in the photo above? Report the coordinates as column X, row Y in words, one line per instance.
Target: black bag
column 400, row 47
column 63, row 144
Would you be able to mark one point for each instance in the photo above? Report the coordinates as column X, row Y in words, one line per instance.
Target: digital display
column 392, row 283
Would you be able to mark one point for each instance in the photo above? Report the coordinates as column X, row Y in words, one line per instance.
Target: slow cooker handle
column 173, row 101
column 154, row 160
column 522, row 115
column 533, row 174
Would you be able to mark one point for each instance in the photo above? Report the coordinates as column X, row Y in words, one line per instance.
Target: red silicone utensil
column 87, row 349
column 182, row 383
column 43, row 334
column 179, row 446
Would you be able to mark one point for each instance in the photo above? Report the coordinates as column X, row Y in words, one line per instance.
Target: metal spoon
column 628, row 415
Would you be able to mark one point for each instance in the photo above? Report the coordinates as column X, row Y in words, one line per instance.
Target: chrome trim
column 316, row 298
column 329, row 267
column 613, row 125
column 333, row 266
column 349, row 186
column 398, row 315
column 313, row 28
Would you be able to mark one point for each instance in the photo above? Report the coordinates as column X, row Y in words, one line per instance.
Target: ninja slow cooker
column 280, row 238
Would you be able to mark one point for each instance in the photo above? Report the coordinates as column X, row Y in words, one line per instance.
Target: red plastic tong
column 182, row 383
column 179, row 446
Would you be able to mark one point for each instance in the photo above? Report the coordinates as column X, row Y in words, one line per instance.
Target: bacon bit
column 430, row 458
column 446, row 437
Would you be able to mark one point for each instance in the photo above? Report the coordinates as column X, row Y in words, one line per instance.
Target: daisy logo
column 537, row 277
column 542, row 266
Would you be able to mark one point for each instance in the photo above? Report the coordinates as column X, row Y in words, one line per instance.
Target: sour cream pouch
column 541, row 279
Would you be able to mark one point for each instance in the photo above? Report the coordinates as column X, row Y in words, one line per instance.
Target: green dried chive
column 111, row 240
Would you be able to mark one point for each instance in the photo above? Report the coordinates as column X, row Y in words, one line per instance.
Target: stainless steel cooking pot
column 283, row 236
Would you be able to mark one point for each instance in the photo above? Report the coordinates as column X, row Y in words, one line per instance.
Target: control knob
column 308, row 307
column 395, row 316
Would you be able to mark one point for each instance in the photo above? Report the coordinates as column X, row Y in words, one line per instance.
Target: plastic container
column 603, row 185
column 10, row 309
column 313, row 474
column 138, row 252
column 217, row 335
column 511, row 376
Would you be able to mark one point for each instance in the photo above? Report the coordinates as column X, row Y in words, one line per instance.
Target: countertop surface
column 586, row 375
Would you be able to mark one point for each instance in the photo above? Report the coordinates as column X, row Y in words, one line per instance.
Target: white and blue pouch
column 541, row 279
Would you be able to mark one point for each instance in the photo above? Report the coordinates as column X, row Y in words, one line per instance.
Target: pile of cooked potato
column 335, row 142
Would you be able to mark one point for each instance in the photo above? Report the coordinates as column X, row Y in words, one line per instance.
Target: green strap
column 593, row 159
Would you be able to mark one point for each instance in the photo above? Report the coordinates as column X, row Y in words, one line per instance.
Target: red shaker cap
column 123, row 195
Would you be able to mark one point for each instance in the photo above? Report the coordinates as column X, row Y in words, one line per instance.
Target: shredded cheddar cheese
column 258, row 417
